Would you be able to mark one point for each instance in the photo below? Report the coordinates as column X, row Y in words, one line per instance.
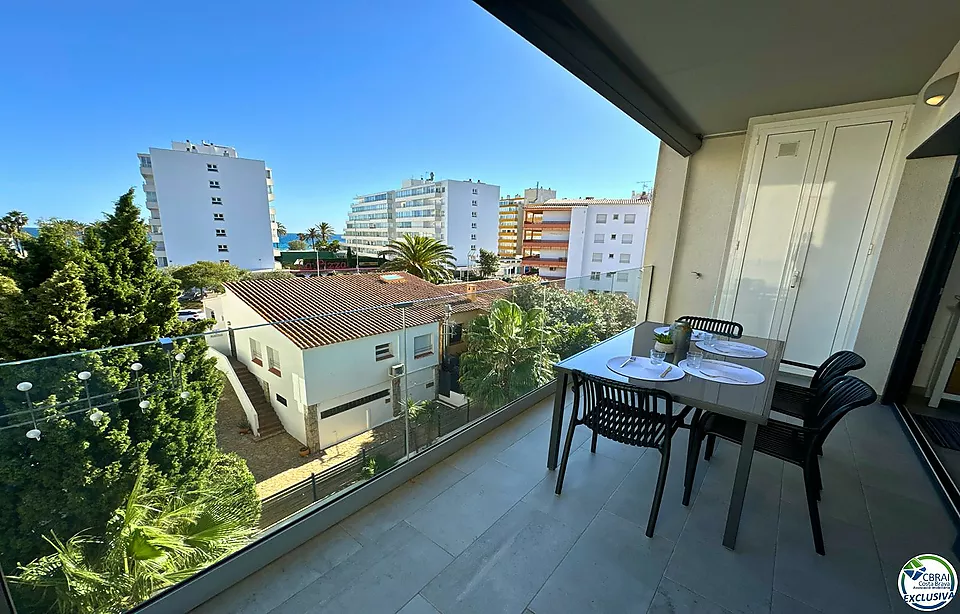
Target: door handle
column 795, row 280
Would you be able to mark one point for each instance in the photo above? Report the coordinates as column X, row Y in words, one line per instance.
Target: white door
column 779, row 187
column 834, row 242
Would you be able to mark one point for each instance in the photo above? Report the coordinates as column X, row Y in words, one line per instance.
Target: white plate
column 696, row 335
column 640, row 368
column 734, row 349
column 724, row 373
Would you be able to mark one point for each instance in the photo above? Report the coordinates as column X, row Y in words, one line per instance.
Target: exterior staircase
column 270, row 424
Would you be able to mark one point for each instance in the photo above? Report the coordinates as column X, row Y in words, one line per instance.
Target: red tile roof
column 316, row 311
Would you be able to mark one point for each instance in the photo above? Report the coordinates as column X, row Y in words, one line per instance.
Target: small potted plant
column 304, row 451
column 244, row 426
column 664, row 342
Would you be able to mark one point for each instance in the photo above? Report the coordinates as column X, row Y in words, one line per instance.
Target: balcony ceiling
column 692, row 68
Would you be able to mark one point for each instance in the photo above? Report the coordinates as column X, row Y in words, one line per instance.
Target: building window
column 597, row 257
column 474, row 190
column 383, row 351
column 630, row 218
column 624, row 258
column 269, row 174
column 212, row 168
column 594, row 275
column 224, row 262
column 215, row 185
column 598, row 238
column 613, row 237
column 161, row 261
column 145, row 161
column 256, row 352
column 473, row 237
column 151, row 196
column 269, row 189
column 473, row 203
column 273, row 360
column 222, row 248
column 601, row 218
column 610, row 256
column 473, row 214
column 218, row 217
column 454, row 333
column 626, row 239
column 473, row 225
column 216, row 200
column 623, row 276
column 281, row 400
column 616, row 216
column 221, row 232
column 339, row 409
column 422, row 345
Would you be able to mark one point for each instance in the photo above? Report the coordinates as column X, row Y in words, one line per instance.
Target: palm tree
column 507, row 354
column 281, row 230
column 12, row 225
column 422, row 256
column 161, row 536
column 312, row 235
column 325, row 231
column 334, row 246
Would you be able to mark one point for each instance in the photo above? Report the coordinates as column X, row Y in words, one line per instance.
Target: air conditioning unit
column 396, row 370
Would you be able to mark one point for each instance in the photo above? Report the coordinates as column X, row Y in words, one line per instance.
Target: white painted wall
column 186, row 213
column 247, row 324
column 458, row 203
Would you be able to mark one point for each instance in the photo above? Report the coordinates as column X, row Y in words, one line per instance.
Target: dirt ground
column 276, row 462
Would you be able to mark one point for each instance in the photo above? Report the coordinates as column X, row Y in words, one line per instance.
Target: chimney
column 471, row 292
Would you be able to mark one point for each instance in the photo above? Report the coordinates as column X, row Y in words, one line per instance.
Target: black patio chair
column 628, row 414
column 793, row 400
column 733, row 330
column 794, row 444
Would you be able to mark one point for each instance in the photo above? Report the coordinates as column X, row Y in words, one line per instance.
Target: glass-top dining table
column 750, row 403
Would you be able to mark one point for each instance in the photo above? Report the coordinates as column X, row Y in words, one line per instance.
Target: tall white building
column 206, row 203
column 462, row 214
column 593, row 243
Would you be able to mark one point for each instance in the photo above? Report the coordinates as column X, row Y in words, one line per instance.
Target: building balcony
column 537, row 261
column 552, row 225
column 553, row 244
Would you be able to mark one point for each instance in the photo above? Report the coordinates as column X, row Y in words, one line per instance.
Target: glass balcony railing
column 129, row 469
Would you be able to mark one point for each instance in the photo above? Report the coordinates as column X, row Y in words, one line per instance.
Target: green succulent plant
column 666, row 337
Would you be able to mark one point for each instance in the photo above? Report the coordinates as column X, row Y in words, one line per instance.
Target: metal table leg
column 740, row 485
column 559, row 399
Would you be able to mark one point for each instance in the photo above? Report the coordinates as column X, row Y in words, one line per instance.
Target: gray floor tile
column 633, row 498
column 783, row 604
column 613, row 567
column 739, row 580
column 842, row 495
column 847, row 579
column 530, row 452
column 468, row 508
column 589, row 482
column 505, row 567
column 384, row 513
column 418, row 605
column 401, row 553
column 671, row 598
column 481, row 451
column 266, row 589
column 904, row 527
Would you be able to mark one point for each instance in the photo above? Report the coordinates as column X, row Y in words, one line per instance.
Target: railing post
column 313, row 484
column 439, row 434
column 363, row 456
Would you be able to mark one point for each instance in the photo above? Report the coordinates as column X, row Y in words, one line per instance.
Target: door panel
column 766, row 238
column 832, row 238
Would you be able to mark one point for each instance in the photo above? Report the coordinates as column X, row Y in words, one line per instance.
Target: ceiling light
column 938, row 91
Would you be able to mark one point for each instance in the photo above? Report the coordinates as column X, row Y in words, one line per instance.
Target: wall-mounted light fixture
column 938, row 91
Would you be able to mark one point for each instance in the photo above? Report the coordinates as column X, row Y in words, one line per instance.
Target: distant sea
column 292, row 236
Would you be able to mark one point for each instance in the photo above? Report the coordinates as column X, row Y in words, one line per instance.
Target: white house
column 207, row 203
column 339, row 355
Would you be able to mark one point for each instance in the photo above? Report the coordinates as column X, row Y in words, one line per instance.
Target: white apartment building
column 206, row 203
column 462, row 214
column 592, row 243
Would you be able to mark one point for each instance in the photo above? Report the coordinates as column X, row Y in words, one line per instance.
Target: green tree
column 324, row 232
column 162, row 535
column 207, row 275
column 80, row 471
column 507, row 354
column 12, row 225
column 311, row 235
column 489, row 263
column 424, row 257
column 333, row 246
column 281, row 229
column 297, row 244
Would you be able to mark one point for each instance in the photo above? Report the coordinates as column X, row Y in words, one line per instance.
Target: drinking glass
column 709, row 340
column 656, row 357
column 695, row 358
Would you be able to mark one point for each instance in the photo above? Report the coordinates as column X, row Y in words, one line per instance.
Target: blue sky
column 339, row 97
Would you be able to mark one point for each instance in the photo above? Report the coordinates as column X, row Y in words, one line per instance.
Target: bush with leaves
column 489, row 263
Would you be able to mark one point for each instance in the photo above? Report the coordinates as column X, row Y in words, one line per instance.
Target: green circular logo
column 927, row 582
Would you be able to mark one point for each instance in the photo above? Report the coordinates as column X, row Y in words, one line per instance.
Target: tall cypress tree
column 82, row 290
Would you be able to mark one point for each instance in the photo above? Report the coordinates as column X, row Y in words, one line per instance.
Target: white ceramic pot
column 669, row 348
